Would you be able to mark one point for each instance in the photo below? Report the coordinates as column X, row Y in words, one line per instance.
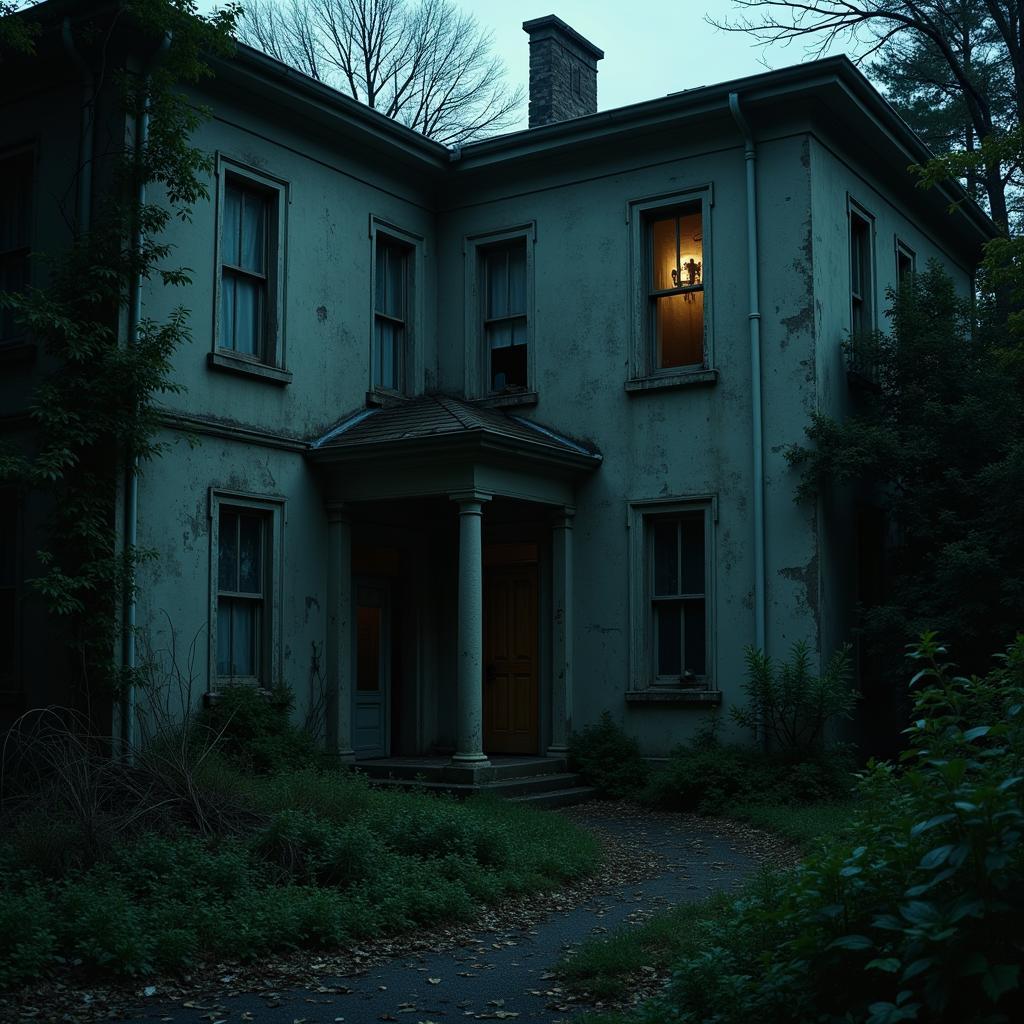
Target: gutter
column 756, row 404
column 131, row 519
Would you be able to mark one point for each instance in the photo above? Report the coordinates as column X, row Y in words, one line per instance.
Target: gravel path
column 498, row 969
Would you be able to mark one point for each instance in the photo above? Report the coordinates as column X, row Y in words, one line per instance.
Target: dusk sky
column 652, row 47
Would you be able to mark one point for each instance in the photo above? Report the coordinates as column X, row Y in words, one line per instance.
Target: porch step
column 427, row 770
column 558, row 797
column 532, row 785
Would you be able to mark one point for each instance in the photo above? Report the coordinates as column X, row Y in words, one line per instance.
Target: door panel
column 371, row 693
column 511, row 693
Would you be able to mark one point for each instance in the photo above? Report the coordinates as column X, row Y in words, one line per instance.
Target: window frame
column 477, row 362
column 641, row 213
column 270, row 363
column 29, row 151
column 641, row 517
column 411, row 373
column 902, row 251
column 856, row 212
column 272, row 510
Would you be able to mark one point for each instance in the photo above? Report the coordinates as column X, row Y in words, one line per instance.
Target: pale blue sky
column 652, row 47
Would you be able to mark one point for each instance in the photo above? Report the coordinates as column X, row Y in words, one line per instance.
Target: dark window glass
column 244, row 278
column 505, row 318
column 240, row 599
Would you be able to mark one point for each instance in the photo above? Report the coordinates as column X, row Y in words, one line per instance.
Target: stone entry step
column 542, row 781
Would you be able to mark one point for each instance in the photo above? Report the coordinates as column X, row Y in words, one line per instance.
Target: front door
column 370, row 713
column 510, row 660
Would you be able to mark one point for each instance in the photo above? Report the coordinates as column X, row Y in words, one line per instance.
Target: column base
column 471, row 760
column 556, row 750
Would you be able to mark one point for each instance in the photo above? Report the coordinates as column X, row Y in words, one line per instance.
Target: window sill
column 508, row 401
column 682, row 698
column 227, row 362
column 665, row 381
column 17, row 352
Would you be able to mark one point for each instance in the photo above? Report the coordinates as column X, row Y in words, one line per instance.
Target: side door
column 372, row 692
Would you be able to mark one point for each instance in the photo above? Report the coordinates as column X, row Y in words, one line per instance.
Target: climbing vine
column 95, row 413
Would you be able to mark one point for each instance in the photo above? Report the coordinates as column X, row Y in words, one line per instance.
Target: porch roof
column 437, row 444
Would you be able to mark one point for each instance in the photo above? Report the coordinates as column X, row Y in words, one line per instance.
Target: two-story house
column 492, row 439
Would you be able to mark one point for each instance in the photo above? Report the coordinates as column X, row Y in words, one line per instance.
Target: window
column 671, row 601
column 499, row 316
column 390, row 314
column 861, row 273
column 15, row 213
column 247, row 543
column 670, row 290
column 241, row 593
column 505, row 317
column 675, row 284
column 676, row 577
column 249, row 304
column 244, row 271
column 906, row 264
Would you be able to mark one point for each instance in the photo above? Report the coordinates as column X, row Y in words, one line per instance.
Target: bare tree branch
column 422, row 62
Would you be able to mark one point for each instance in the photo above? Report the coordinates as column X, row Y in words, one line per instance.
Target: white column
column 340, row 663
column 562, row 632
column 469, row 725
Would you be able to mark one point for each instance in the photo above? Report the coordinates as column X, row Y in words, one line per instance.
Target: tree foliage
column 423, row 62
column 939, row 447
column 94, row 413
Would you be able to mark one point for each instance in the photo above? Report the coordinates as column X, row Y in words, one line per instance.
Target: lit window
column 677, row 584
column 15, row 209
column 391, row 314
column 505, row 318
column 244, row 270
column 241, row 593
column 861, row 312
column 676, row 283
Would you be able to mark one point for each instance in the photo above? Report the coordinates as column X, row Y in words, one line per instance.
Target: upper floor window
column 505, row 316
column 390, row 313
column 249, row 300
column 906, row 264
column 862, row 317
column 675, row 287
column 244, row 270
column 15, row 212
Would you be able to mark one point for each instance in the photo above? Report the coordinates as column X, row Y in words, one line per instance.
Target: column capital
column 561, row 518
column 469, row 497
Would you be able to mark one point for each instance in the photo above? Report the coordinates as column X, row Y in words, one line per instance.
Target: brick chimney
column 563, row 71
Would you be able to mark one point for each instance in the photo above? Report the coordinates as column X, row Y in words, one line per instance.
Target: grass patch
column 804, row 824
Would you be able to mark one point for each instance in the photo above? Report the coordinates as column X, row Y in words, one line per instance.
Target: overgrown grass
column 804, row 824
column 299, row 857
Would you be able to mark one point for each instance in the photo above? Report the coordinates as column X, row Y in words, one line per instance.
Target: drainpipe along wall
column 756, row 407
column 131, row 519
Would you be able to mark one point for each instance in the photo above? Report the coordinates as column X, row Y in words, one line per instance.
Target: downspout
column 87, row 131
column 756, row 408
column 131, row 519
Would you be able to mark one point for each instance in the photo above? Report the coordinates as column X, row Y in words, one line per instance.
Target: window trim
column 861, row 213
column 22, row 340
column 273, row 357
column 412, row 370
column 640, row 213
column 476, row 375
column 274, row 510
column 639, row 514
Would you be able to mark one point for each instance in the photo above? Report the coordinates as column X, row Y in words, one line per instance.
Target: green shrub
column 608, row 759
column 914, row 914
column 28, row 940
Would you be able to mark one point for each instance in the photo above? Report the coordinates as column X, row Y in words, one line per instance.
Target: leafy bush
column 791, row 704
column 608, row 759
column 914, row 915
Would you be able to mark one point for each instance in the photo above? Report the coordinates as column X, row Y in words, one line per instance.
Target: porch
column 450, row 611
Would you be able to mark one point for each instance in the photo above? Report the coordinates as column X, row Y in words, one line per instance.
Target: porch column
column 469, row 726
column 339, row 667
column 562, row 632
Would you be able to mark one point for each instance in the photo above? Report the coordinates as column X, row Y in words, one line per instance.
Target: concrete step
column 509, row 788
column 557, row 797
column 440, row 770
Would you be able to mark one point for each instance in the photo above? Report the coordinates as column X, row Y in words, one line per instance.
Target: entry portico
column 440, row 459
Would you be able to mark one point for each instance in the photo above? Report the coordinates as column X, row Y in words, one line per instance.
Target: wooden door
column 511, row 693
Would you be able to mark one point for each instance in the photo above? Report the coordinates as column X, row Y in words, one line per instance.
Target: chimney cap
column 550, row 21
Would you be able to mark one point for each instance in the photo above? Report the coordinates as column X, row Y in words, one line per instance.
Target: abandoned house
column 487, row 440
